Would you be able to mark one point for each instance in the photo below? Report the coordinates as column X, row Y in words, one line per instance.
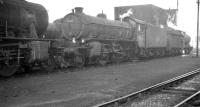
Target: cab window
column 141, row 28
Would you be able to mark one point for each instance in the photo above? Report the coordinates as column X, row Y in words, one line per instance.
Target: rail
column 187, row 99
column 129, row 97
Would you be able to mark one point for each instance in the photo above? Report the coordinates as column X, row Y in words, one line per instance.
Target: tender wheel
column 8, row 70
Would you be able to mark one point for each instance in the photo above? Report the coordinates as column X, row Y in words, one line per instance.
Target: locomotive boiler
column 20, row 14
column 80, row 26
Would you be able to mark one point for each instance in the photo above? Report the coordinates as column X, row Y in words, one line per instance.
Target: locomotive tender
column 99, row 40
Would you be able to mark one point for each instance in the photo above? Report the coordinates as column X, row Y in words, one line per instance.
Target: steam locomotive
column 77, row 39
column 99, row 40
column 22, row 25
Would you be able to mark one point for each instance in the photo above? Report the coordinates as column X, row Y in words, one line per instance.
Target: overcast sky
column 187, row 14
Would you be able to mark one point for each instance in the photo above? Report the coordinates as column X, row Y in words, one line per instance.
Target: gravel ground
column 159, row 100
column 192, row 84
column 91, row 85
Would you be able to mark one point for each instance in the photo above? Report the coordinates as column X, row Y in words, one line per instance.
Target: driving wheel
column 8, row 70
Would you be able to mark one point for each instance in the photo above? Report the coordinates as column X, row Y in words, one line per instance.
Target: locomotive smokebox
column 78, row 10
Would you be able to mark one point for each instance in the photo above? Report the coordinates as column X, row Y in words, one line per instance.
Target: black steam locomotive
column 99, row 40
column 22, row 25
column 77, row 39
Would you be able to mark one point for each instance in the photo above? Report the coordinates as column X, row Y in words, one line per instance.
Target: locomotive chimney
column 102, row 15
column 78, row 10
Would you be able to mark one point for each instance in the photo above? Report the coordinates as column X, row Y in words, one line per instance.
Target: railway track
column 181, row 91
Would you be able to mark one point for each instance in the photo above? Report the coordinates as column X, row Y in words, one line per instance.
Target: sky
column 187, row 14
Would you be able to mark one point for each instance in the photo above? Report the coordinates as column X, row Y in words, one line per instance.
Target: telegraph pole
column 177, row 3
column 197, row 48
